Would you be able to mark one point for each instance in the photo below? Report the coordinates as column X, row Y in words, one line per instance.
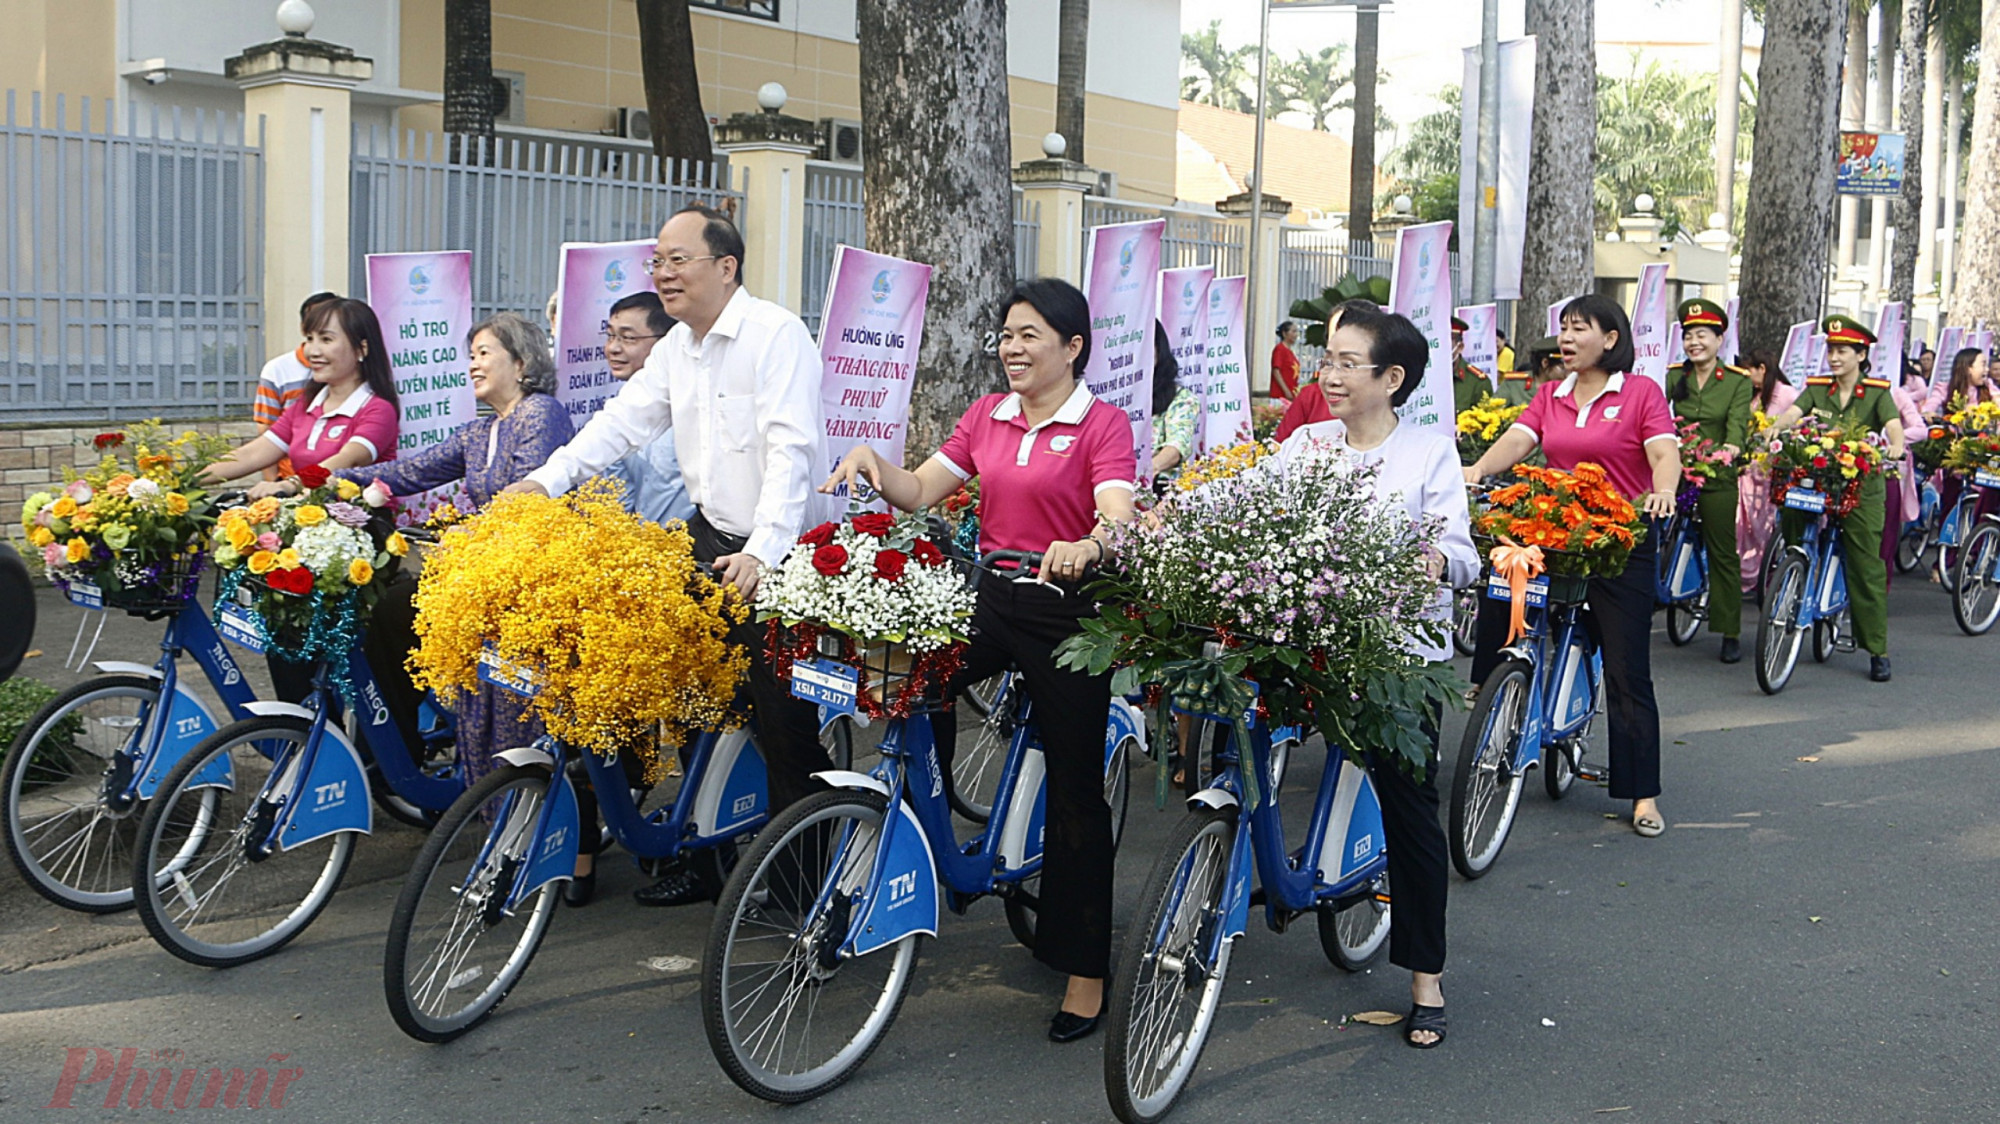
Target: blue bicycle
column 1534, row 711
column 814, row 943
column 1975, row 597
column 1808, row 593
column 1169, row 978
column 1681, row 583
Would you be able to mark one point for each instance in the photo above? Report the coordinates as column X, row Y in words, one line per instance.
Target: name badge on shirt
column 1611, row 413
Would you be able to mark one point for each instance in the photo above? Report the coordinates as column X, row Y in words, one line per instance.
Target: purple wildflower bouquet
column 1279, row 582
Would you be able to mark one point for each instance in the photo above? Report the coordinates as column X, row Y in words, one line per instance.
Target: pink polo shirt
column 1611, row 430
column 309, row 433
column 1039, row 485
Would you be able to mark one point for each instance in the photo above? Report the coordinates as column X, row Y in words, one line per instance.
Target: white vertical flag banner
column 424, row 303
column 1510, row 203
column 1184, row 314
column 1885, row 359
column 1797, row 360
column 1226, row 405
column 1950, row 340
column 1420, row 288
column 1482, row 339
column 1121, row 268
column 1649, row 323
column 1732, row 344
column 591, row 278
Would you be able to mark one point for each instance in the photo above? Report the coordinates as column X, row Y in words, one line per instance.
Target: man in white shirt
column 737, row 381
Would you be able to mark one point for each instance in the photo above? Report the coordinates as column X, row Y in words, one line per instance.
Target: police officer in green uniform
column 1717, row 398
column 1517, row 387
column 1468, row 383
column 1855, row 402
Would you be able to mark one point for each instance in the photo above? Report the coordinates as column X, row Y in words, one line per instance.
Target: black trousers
column 787, row 728
column 1419, row 864
column 1021, row 625
column 1620, row 619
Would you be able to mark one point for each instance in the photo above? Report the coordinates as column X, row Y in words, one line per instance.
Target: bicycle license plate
column 1986, row 478
column 1801, row 499
column 508, row 675
column 1537, row 591
column 237, row 628
column 830, row 684
column 85, row 595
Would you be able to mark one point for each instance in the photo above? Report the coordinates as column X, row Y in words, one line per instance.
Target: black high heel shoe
column 1066, row 1027
column 581, row 889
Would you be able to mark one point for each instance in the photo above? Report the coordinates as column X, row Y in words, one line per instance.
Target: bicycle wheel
column 451, row 928
column 982, row 745
column 788, row 1016
column 1021, row 909
column 1169, row 977
column 1976, row 601
column 1684, row 618
column 68, row 844
column 1486, row 788
column 1465, row 621
column 1911, row 547
column 1827, row 632
column 1558, row 769
column 1778, row 632
column 1353, row 933
column 206, row 888
column 1951, row 556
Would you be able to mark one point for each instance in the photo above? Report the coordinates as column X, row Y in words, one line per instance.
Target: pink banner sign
column 1482, row 339
column 1796, row 360
column 1420, row 288
column 1184, row 315
column 869, row 334
column 1121, row 280
column 1226, row 403
column 424, row 302
column 1885, row 359
column 591, row 278
column 1950, row 341
column 1650, row 315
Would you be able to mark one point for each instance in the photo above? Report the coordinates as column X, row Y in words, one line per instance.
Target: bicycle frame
column 1825, row 594
column 1575, row 669
column 1683, row 566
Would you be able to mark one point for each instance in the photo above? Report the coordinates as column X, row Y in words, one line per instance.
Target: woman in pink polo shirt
column 1604, row 414
column 348, row 417
column 1055, row 466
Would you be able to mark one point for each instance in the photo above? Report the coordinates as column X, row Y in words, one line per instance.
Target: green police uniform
column 1870, row 408
column 1468, row 385
column 1719, row 405
column 1517, row 388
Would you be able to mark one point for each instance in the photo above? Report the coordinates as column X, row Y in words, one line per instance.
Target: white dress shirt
column 743, row 404
column 1418, row 471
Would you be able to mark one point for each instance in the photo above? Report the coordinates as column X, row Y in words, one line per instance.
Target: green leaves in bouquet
column 1316, row 310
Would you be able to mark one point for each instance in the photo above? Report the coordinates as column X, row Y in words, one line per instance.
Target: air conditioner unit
column 840, row 141
column 634, row 123
column 1107, row 185
column 510, row 97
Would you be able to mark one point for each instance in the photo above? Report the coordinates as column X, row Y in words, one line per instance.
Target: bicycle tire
column 1778, row 634
column 252, row 906
column 47, row 785
column 1486, row 753
column 1975, row 604
column 1161, row 967
column 1354, row 934
column 1465, row 622
column 753, row 900
column 492, row 812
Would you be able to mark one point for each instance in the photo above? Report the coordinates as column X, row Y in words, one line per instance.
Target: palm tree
column 1216, row 75
column 1318, row 86
column 1431, row 149
column 1656, row 133
column 1361, row 162
column 468, row 68
column 1903, row 260
column 1072, row 51
column 673, row 90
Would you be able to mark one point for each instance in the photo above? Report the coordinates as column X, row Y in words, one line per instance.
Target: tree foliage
column 1212, row 74
column 1317, row 85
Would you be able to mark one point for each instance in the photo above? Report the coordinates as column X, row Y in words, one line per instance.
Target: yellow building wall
column 58, row 47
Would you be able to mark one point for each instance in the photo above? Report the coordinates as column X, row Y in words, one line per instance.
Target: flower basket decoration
column 1276, row 583
column 1577, row 521
column 875, row 593
column 1972, row 445
column 1822, row 458
column 308, row 567
column 1482, row 425
column 132, row 531
column 607, row 614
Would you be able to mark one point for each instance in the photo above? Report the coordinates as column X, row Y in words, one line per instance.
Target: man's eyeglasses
column 673, row 263
column 625, row 339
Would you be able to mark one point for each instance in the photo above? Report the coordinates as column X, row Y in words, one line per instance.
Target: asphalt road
column 1810, row 941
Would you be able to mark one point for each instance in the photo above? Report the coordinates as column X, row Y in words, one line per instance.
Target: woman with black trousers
column 1604, row 414
column 1055, row 465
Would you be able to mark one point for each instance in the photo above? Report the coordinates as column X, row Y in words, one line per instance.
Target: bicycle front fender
column 331, row 798
column 846, row 778
column 1215, row 799
column 901, row 894
column 557, row 841
column 187, row 724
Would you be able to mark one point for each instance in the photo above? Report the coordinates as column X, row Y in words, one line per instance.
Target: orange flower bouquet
column 1583, row 525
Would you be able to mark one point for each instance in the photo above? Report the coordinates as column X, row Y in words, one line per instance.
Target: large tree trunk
column 673, row 90
column 1361, row 165
column 1882, row 120
column 1910, row 208
column 936, row 178
column 468, row 67
column 1978, row 295
column 1556, row 261
column 1072, row 54
column 1790, row 209
column 1933, row 160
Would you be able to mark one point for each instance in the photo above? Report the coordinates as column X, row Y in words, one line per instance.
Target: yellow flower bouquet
column 130, row 531
column 1482, row 425
column 606, row 614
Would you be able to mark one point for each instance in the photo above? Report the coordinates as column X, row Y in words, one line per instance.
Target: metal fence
column 131, row 263
column 513, row 203
column 1191, row 237
column 1310, row 260
column 836, row 215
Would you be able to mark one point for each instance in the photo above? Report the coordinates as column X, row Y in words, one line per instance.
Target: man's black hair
column 657, row 320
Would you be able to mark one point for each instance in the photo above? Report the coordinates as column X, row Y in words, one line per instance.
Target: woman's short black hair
column 355, row 320
column 1605, row 313
column 1166, row 370
column 1284, row 326
column 1392, row 342
column 1061, row 306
